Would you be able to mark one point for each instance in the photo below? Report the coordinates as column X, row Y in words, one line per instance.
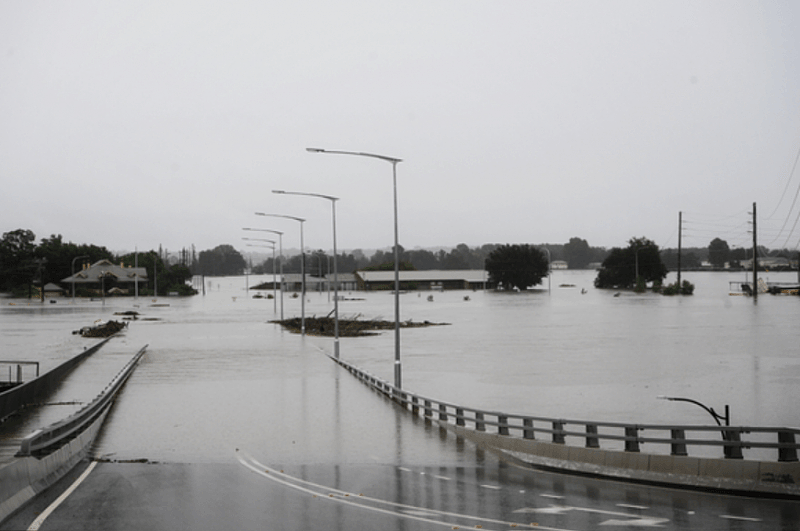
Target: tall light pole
column 274, row 289
column 72, row 270
column 335, row 267
column 302, row 265
column 280, row 247
column 393, row 161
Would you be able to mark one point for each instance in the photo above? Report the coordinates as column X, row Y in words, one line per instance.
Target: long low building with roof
column 105, row 275
column 424, row 280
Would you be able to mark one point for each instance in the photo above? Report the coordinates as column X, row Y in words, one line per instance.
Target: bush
column 686, row 288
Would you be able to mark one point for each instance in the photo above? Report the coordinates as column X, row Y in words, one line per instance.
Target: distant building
column 768, row 262
column 104, row 275
column 424, row 280
column 559, row 264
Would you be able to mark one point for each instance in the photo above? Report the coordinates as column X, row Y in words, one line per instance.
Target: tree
column 221, row 261
column 16, row 259
column 516, row 266
column 577, row 253
column 619, row 269
column 718, row 252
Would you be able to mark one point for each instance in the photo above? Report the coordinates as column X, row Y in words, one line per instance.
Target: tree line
column 26, row 265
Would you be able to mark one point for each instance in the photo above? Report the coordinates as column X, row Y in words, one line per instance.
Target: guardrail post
column 527, row 432
column 631, row 439
column 678, row 444
column 785, row 453
column 428, row 409
column 442, row 412
column 733, row 443
column 591, row 436
column 479, row 425
column 414, row 405
column 460, row 417
column 502, row 424
column 558, row 432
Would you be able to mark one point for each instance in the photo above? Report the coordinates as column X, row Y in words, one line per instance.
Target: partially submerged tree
column 620, row 268
column 516, row 266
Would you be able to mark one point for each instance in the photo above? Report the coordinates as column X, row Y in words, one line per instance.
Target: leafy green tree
column 620, row 266
column 718, row 252
column 516, row 266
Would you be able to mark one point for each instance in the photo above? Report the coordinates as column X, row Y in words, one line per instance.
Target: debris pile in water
column 101, row 329
column 324, row 326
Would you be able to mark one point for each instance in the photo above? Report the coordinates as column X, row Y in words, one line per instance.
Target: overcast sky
column 139, row 124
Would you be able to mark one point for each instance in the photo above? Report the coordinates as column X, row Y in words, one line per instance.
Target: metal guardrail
column 42, row 440
column 631, row 436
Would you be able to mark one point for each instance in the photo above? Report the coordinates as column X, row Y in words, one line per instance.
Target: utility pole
column 755, row 255
column 680, row 233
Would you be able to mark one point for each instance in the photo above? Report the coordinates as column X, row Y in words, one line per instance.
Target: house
column 424, row 280
column 103, row 276
column 53, row 290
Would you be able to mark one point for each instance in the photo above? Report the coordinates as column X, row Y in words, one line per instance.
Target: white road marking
column 494, row 487
column 627, row 506
column 743, row 518
column 322, row 492
column 443, row 478
column 622, row 519
column 58, row 501
column 638, row 522
column 554, row 496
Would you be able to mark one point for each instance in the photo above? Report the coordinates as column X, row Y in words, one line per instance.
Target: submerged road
column 231, row 423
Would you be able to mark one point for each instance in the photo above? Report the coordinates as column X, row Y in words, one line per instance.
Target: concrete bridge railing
column 41, row 440
column 614, row 449
column 35, row 390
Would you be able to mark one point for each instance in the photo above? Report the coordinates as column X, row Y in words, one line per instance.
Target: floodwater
column 231, row 422
column 218, row 375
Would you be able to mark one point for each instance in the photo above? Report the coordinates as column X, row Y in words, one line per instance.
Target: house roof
column 467, row 275
column 105, row 268
column 52, row 287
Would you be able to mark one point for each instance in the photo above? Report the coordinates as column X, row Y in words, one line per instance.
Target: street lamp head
column 315, row 150
column 279, row 191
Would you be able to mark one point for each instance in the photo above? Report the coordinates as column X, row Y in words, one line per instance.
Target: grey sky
column 169, row 122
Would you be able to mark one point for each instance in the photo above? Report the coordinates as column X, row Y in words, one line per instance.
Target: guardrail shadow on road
column 613, row 449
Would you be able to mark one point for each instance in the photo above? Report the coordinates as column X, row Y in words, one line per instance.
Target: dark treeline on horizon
column 24, row 262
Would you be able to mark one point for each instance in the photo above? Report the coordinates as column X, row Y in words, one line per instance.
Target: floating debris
column 324, row 326
column 101, row 329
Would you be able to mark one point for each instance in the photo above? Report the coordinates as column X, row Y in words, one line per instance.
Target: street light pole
column 726, row 417
column 302, row 265
column 280, row 247
column 72, row 270
column 335, row 267
column 397, row 367
column 274, row 293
